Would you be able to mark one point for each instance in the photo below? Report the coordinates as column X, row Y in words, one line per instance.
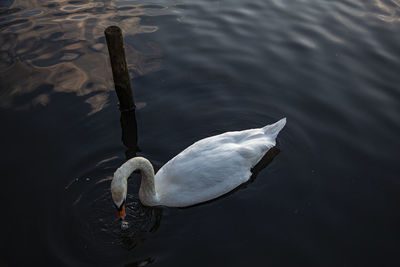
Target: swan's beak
column 121, row 212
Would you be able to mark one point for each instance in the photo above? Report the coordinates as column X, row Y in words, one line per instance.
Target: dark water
column 330, row 198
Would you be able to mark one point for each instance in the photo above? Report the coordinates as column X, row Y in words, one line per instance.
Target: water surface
column 199, row 68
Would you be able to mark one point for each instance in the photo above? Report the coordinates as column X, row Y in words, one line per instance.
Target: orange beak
column 121, row 212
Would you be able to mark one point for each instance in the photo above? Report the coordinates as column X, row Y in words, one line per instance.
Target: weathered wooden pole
column 122, row 82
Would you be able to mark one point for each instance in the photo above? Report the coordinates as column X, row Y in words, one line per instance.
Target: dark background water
column 199, row 68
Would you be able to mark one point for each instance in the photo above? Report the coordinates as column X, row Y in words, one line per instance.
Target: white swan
column 205, row 170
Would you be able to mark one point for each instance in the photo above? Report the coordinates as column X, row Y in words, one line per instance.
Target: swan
column 205, row 170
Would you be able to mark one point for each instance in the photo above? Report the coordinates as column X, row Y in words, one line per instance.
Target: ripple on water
column 88, row 200
column 203, row 68
column 43, row 33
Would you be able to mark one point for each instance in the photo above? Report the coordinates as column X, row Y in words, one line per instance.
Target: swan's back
column 213, row 166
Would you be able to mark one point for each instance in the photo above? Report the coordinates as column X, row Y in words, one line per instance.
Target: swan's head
column 118, row 193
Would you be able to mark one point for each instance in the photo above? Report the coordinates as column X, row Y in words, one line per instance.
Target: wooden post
column 122, row 82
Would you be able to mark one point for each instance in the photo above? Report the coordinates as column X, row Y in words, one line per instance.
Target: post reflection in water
column 132, row 236
column 129, row 133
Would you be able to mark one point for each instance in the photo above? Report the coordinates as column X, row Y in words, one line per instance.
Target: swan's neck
column 147, row 193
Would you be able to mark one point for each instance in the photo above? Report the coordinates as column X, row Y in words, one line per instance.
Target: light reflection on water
column 200, row 68
column 63, row 45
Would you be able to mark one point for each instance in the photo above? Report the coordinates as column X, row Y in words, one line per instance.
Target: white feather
column 205, row 170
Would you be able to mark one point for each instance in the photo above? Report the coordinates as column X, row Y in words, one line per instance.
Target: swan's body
column 205, row 170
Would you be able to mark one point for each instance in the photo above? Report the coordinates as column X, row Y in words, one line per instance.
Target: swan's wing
column 213, row 166
column 200, row 176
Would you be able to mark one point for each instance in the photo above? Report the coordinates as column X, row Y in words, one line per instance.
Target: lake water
column 330, row 198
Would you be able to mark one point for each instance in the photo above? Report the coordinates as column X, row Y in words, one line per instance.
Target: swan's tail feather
column 272, row 130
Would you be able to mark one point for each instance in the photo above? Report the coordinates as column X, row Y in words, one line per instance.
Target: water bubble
column 124, row 225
